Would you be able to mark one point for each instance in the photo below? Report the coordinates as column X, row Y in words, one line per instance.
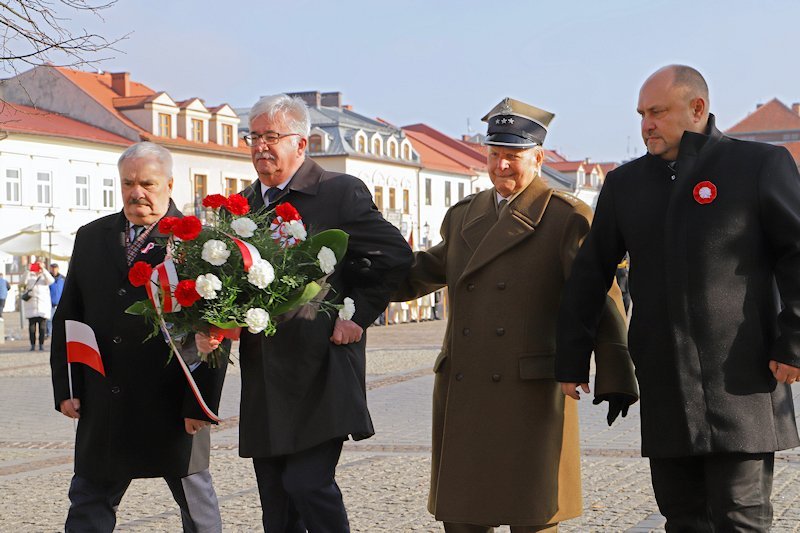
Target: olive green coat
column 505, row 441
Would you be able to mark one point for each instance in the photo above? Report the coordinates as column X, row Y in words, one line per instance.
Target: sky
column 446, row 63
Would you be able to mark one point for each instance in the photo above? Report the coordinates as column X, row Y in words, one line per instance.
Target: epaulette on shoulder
column 467, row 199
column 568, row 197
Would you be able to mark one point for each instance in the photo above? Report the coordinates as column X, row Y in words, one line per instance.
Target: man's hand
column 192, row 425
column 571, row 389
column 617, row 404
column 784, row 373
column 71, row 407
column 204, row 343
column 346, row 331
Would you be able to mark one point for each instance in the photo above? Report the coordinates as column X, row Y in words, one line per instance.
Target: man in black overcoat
column 303, row 390
column 140, row 419
column 712, row 225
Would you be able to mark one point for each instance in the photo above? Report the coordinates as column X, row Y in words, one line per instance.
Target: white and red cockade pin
column 705, row 192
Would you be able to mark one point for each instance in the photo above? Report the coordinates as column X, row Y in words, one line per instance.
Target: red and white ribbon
column 163, row 281
column 249, row 252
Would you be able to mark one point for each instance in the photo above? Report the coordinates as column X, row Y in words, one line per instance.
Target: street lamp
column 426, row 234
column 49, row 224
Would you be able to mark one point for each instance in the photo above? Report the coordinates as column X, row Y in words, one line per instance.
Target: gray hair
column 291, row 110
column 149, row 150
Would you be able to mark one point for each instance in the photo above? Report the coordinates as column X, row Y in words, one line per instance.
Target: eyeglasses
column 269, row 137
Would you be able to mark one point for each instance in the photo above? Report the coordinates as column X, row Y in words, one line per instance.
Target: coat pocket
column 537, row 366
column 440, row 359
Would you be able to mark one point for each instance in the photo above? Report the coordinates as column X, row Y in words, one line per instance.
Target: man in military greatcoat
column 712, row 226
column 505, row 439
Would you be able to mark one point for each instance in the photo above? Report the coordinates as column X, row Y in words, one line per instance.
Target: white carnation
column 215, row 252
column 348, row 310
column 244, row 227
column 207, row 286
column 327, row 259
column 296, row 229
column 256, row 319
column 261, row 273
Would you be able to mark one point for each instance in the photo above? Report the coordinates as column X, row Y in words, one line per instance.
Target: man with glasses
column 303, row 390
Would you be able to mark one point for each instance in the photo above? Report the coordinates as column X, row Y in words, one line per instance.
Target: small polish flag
column 82, row 346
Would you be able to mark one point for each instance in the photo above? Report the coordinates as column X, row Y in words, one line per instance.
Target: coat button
column 500, row 332
column 122, row 292
column 459, row 376
column 466, row 332
column 496, row 377
column 117, row 339
column 501, row 286
column 115, row 390
column 471, row 287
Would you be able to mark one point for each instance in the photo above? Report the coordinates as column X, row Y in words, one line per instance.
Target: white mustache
column 263, row 155
column 140, row 201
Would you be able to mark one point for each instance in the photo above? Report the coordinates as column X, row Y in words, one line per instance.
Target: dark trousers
column 2, row 305
column 299, row 491
column 724, row 492
column 94, row 506
column 32, row 324
column 452, row 527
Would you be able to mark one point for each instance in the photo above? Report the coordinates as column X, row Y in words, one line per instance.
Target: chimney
column 758, row 106
column 311, row 98
column 796, row 108
column 121, row 83
column 347, row 107
column 333, row 99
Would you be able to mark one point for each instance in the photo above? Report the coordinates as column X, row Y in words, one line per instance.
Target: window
column 362, row 145
column 392, row 199
column 315, row 144
column 44, row 184
column 376, row 146
column 406, row 202
column 230, row 186
column 12, row 186
column 197, row 130
column 82, row 191
column 406, row 152
column 393, row 150
column 379, row 197
column 243, row 184
column 581, row 177
column 108, row 193
column 427, row 191
column 227, row 135
column 460, row 191
column 199, row 189
column 446, row 193
column 165, row 125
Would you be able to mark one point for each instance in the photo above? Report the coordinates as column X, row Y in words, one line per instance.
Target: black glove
column 617, row 404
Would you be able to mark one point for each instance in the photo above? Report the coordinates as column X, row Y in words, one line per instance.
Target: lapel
column 114, row 238
column 305, row 180
column 253, row 194
column 517, row 221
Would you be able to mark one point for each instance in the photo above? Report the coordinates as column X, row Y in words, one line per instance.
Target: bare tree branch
column 36, row 32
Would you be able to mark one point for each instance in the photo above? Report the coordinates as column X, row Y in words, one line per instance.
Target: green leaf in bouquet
column 335, row 239
column 297, row 299
column 227, row 325
column 142, row 307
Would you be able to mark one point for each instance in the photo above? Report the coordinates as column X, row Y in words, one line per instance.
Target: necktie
column 134, row 245
column 500, row 205
column 272, row 195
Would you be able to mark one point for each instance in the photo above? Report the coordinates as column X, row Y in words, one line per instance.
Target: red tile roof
column 435, row 155
column 23, row 119
column 569, row 166
column 98, row 87
column 772, row 116
column 466, row 154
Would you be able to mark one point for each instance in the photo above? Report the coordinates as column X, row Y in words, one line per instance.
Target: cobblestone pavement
column 384, row 479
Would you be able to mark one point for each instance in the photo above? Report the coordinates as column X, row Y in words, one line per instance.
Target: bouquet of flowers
column 241, row 270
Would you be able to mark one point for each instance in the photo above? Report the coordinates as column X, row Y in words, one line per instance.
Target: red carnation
column 139, row 274
column 237, row 204
column 167, row 225
column 287, row 212
column 187, row 228
column 185, row 293
column 214, row 201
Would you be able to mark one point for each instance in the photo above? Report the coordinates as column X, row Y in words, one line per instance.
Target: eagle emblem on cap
column 505, row 108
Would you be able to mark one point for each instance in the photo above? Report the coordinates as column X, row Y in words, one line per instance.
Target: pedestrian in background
column 712, row 226
column 505, row 438
column 5, row 286
column 56, row 288
column 37, row 306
